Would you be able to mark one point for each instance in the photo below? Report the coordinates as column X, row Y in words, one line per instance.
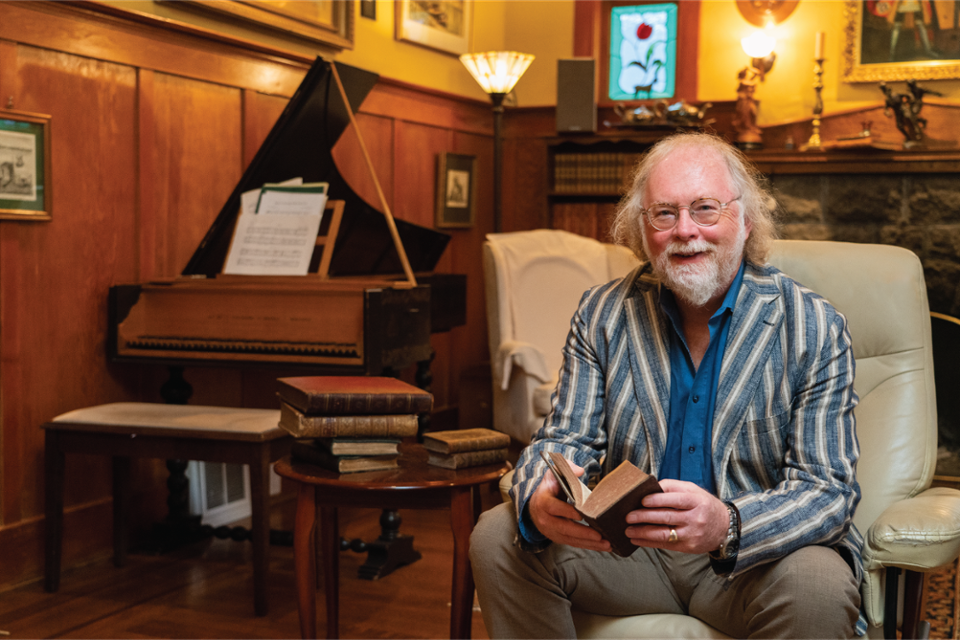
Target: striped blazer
column 784, row 443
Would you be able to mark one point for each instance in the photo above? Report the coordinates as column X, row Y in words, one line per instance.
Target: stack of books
column 350, row 423
column 465, row 448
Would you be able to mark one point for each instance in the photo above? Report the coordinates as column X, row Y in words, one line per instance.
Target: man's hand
column 558, row 520
column 700, row 519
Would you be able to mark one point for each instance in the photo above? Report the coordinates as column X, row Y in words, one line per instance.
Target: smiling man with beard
column 731, row 383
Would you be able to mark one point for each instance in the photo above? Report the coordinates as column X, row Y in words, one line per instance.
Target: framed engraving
column 25, row 183
column 900, row 41
column 443, row 25
column 456, row 190
column 328, row 22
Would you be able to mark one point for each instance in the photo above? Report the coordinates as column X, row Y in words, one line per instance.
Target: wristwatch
column 725, row 557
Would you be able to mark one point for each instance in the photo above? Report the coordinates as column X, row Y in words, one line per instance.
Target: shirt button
column 692, row 449
column 696, row 399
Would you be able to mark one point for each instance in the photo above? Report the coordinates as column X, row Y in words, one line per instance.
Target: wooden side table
column 151, row 430
column 414, row 485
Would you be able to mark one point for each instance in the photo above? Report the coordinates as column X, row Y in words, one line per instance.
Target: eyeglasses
column 705, row 212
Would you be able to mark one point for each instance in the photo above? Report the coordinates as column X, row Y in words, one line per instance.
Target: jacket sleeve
column 573, row 427
column 815, row 493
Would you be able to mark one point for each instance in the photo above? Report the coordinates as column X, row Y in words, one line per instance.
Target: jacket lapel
column 756, row 321
column 650, row 363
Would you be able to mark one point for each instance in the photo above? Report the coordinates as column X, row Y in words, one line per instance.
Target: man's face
column 697, row 263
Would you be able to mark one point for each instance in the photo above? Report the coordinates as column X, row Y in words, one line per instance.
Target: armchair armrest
column 525, row 355
column 919, row 533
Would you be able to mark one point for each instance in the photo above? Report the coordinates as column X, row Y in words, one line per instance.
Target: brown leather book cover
column 466, row 458
column 605, row 508
column 312, row 453
column 460, row 440
column 300, row 425
column 360, row 395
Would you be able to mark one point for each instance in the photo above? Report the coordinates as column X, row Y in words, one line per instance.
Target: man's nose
column 686, row 227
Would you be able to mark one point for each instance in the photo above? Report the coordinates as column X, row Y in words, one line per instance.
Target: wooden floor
column 206, row 591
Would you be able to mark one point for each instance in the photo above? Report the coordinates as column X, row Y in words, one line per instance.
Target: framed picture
column 456, row 190
column 443, row 25
column 900, row 41
column 368, row 9
column 328, row 22
column 25, row 191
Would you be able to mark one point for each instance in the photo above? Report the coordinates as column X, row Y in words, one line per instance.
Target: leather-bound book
column 460, row 440
column 301, row 425
column 353, row 395
column 466, row 458
column 312, row 453
column 605, row 508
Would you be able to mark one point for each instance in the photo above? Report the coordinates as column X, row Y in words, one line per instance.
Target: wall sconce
column 497, row 72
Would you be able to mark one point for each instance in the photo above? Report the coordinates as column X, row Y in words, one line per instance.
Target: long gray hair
column 758, row 204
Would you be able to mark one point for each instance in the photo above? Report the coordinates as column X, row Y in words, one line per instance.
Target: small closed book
column 457, row 441
column 318, row 455
column 605, row 508
column 353, row 395
column 301, row 425
column 466, row 458
column 359, row 446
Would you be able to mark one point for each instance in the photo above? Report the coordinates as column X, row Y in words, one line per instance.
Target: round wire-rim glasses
column 705, row 212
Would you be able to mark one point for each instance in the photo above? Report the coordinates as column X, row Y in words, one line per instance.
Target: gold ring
column 673, row 536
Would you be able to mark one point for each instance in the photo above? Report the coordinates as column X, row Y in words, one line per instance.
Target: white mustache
column 689, row 248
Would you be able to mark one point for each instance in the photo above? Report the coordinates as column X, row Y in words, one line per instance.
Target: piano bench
column 149, row 430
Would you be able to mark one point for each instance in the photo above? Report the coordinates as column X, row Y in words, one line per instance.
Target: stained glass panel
column 643, row 52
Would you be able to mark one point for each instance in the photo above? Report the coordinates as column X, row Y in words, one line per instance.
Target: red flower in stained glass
column 644, row 31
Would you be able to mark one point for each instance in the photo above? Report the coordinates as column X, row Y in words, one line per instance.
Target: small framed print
column 25, row 184
column 456, row 190
column 368, row 9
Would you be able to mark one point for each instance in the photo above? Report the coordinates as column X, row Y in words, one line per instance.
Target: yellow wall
column 545, row 29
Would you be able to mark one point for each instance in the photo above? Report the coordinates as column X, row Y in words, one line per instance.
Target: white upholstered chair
column 909, row 527
column 534, row 281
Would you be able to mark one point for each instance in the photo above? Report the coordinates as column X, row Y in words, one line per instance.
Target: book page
column 280, row 235
column 576, row 491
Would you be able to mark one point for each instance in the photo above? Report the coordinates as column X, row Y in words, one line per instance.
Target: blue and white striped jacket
column 784, row 443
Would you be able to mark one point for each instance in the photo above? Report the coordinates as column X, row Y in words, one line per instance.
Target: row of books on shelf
column 354, row 424
column 596, row 173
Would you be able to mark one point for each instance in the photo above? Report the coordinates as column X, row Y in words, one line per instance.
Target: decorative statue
column 749, row 135
column 905, row 108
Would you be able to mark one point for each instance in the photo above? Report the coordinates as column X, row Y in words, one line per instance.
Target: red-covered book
column 359, row 395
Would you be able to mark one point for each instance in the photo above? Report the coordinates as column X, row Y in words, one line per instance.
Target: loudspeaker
column 576, row 95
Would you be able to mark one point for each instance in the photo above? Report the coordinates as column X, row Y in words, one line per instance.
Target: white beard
column 698, row 284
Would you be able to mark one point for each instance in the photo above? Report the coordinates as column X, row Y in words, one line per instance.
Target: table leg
column 304, row 560
column 260, row 529
column 53, row 472
column 461, row 600
column 330, row 551
column 121, row 509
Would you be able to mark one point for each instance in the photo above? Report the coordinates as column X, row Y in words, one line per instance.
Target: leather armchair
column 909, row 527
column 533, row 282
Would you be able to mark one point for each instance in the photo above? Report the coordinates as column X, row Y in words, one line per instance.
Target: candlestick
column 814, row 141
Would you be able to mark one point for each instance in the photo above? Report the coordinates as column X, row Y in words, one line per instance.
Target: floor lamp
column 497, row 72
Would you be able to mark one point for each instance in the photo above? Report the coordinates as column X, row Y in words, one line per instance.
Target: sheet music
column 277, row 235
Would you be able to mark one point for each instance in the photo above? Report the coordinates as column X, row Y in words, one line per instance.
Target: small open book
column 605, row 508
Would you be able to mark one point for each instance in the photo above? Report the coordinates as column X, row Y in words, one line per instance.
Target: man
column 729, row 382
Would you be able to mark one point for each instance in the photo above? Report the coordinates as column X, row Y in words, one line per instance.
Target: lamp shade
column 759, row 44
column 496, row 71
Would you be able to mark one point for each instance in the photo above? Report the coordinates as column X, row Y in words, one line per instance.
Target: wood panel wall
column 152, row 126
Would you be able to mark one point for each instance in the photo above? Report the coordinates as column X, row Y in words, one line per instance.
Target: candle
column 818, row 50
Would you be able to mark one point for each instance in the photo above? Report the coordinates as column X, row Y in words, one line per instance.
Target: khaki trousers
column 810, row 593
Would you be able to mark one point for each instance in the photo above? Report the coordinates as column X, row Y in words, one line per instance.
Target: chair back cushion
column 881, row 291
column 539, row 277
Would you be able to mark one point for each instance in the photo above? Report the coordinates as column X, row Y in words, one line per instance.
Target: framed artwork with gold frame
column 328, row 22
column 444, row 25
column 886, row 41
column 25, row 183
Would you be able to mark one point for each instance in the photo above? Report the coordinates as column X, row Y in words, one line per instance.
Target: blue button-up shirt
column 693, row 393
